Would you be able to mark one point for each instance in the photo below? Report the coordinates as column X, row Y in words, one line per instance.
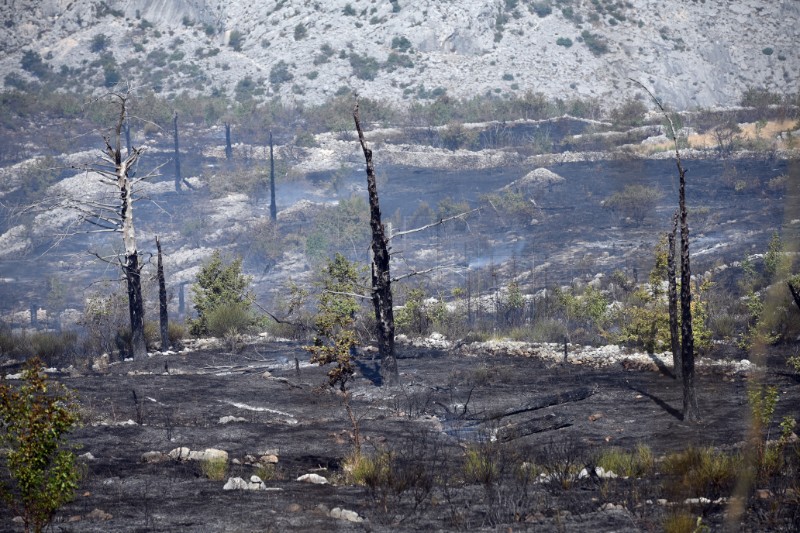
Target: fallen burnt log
column 544, row 401
column 529, row 427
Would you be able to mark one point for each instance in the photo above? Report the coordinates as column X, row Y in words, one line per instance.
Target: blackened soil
column 440, row 410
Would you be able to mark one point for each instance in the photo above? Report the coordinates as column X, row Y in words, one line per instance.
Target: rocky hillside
column 692, row 52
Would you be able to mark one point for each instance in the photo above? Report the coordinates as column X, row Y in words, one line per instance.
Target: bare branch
column 433, row 224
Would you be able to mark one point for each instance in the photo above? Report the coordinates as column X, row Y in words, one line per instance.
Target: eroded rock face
column 467, row 48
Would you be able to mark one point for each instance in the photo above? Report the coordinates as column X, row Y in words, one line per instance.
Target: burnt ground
column 440, row 410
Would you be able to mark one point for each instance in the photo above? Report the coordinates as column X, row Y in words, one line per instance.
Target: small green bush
column 42, row 470
column 236, row 40
column 634, row 202
column 480, row 464
column 542, row 9
column 220, row 285
column 53, row 348
column 364, row 67
column 229, row 318
column 99, row 43
column 548, row 330
column 637, row 463
column 401, row 43
column 767, row 51
column 214, row 469
column 596, row 44
column 300, row 31
column 279, row 73
column 697, row 472
column 176, row 333
column 566, row 42
column 681, row 522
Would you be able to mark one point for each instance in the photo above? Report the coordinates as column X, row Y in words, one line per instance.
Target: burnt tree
column 228, row 149
column 117, row 171
column 163, row 316
column 381, row 277
column 273, row 207
column 672, row 296
column 178, row 177
column 691, row 411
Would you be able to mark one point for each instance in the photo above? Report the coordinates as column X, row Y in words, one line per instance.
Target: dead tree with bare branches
column 116, row 171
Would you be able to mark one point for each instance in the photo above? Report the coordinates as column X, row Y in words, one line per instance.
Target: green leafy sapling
column 38, row 469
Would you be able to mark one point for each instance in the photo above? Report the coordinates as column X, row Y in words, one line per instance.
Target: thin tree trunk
column 273, row 207
column 228, row 149
column 381, row 278
column 672, row 296
column 691, row 411
column 135, row 305
column 162, row 301
column 177, row 157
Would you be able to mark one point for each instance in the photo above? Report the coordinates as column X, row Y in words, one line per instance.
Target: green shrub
column 53, row 348
column 279, row 73
column 682, row 522
column 637, row 463
column 219, row 284
column 542, row 9
column 32, row 62
column 176, row 332
column 300, row 31
column 370, row 471
column 634, row 202
column 630, row 113
column 99, row 43
column 548, row 330
column 401, row 43
column 481, row 464
column 364, row 67
column 349, row 11
column 701, row 472
column 214, row 469
column 229, row 318
column 236, row 40
column 596, row 44
column 42, row 470
column 767, row 51
column 566, row 42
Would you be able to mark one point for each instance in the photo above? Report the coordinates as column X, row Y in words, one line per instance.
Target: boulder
column 313, row 478
column 345, row 514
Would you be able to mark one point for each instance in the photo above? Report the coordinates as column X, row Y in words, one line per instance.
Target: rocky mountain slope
column 692, row 53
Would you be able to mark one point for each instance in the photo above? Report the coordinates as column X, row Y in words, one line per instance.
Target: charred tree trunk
column 273, row 207
column 130, row 265
column 177, row 158
column 381, row 278
column 672, row 296
column 228, row 149
column 795, row 294
column 162, row 301
column 690, row 410
column 133, row 278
